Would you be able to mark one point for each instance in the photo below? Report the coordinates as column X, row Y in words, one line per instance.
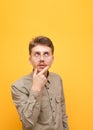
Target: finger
column 42, row 76
column 35, row 72
column 44, row 70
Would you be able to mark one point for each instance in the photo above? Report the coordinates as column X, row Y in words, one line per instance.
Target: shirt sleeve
column 28, row 106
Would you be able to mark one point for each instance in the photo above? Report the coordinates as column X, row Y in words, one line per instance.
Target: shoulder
column 22, row 82
column 55, row 75
column 56, row 82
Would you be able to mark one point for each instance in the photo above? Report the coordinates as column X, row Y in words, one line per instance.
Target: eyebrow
column 40, row 52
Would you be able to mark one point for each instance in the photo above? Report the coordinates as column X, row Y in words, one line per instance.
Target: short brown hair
column 42, row 40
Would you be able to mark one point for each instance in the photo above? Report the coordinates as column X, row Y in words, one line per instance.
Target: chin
column 40, row 69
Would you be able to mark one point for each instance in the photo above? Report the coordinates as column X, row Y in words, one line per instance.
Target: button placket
column 50, row 92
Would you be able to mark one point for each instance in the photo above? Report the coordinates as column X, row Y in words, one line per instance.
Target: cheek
column 33, row 61
column 49, row 61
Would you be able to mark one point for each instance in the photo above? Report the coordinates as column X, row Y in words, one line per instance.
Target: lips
column 42, row 66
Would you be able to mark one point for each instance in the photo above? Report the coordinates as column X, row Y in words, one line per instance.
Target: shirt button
column 46, row 87
column 53, row 111
column 51, row 99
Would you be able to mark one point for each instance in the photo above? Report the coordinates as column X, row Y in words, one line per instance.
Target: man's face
column 41, row 56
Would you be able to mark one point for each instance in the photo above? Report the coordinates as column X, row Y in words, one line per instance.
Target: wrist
column 36, row 89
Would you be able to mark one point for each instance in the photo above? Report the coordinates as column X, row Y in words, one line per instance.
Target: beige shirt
column 43, row 110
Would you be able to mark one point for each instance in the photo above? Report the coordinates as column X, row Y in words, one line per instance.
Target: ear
column 30, row 59
column 53, row 59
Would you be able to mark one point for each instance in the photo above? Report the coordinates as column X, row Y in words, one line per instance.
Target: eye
column 36, row 54
column 46, row 54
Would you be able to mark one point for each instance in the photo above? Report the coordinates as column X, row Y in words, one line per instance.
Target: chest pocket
column 58, row 101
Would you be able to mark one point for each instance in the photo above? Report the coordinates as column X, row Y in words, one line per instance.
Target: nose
column 41, row 57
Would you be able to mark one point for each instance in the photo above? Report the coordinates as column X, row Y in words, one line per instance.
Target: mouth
column 42, row 66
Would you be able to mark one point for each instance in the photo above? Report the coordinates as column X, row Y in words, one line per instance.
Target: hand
column 39, row 79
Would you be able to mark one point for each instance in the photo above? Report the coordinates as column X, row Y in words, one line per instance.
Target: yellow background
column 69, row 23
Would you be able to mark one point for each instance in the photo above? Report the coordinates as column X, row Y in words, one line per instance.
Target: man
column 39, row 96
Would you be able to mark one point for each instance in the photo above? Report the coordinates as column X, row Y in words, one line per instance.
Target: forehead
column 41, row 48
